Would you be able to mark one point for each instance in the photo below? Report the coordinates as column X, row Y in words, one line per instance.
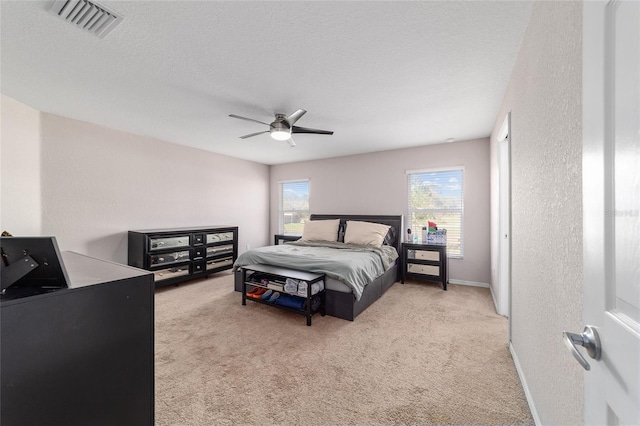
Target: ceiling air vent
column 89, row 16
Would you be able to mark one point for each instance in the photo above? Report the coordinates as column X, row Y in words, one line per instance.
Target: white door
column 611, row 201
column 504, row 221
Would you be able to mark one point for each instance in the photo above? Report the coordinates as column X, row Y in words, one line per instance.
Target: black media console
column 83, row 354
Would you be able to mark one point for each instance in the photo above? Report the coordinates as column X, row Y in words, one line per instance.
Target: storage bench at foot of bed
column 271, row 277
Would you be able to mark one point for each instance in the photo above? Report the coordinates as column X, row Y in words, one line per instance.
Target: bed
column 342, row 299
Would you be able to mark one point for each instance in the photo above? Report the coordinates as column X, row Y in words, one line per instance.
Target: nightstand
column 280, row 238
column 425, row 262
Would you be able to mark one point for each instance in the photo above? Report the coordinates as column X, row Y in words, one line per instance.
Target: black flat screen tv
column 30, row 266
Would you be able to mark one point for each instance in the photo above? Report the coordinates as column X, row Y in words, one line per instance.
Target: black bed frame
column 344, row 305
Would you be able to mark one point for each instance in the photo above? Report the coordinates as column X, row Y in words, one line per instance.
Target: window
column 437, row 196
column 294, row 206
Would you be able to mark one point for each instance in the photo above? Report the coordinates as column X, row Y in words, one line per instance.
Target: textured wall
column 544, row 96
column 20, row 168
column 376, row 183
column 97, row 183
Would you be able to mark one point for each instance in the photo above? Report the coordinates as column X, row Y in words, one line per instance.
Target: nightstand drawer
column 424, row 255
column 414, row 268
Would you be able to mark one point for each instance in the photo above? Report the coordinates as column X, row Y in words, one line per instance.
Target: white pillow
column 321, row 230
column 365, row 233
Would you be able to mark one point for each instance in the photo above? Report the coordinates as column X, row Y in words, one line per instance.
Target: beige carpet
column 419, row 355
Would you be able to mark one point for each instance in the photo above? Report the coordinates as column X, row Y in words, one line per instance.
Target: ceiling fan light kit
column 280, row 135
column 283, row 127
column 280, row 129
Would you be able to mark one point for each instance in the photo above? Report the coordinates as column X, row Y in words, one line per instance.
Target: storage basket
column 437, row 237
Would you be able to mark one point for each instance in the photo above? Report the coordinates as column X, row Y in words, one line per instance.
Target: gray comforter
column 356, row 266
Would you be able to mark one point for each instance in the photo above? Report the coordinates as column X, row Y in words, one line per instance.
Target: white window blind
column 294, row 206
column 437, row 196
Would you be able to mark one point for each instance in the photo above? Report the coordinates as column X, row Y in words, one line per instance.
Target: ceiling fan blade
column 248, row 119
column 253, row 134
column 295, row 116
column 292, row 143
column 296, row 129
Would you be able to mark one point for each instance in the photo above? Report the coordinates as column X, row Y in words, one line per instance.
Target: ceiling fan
column 283, row 127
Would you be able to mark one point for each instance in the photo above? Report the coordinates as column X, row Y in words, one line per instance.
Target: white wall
column 20, row 203
column 94, row 184
column 544, row 96
column 376, row 183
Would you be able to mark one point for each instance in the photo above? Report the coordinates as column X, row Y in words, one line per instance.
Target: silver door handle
column 589, row 340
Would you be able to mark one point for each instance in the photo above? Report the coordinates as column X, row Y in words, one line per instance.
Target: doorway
column 504, row 220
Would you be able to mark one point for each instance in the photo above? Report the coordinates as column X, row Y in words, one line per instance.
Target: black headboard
column 392, row 220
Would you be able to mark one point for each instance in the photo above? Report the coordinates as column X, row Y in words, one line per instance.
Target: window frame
column 410, row 210
column 281, row 183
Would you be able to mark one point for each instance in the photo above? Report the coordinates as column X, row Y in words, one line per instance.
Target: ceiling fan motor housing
column 280, row 129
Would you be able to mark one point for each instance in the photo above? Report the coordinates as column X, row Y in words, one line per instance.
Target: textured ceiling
column 381, row 75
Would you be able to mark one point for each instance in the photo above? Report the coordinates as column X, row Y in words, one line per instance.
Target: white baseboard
column 471, row 283
column 525, row 387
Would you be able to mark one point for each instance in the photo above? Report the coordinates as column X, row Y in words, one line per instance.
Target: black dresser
column 178, row 254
